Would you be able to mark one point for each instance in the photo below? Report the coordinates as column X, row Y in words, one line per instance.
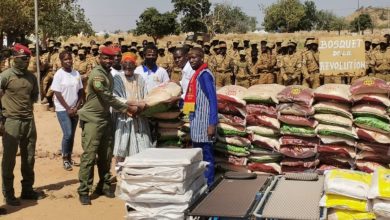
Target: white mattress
column 133, row 188
column 155, row 157
column 162, row 174
column 166, row 198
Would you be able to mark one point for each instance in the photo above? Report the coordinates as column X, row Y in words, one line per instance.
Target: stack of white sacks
column 380, row 193
column 161, row 183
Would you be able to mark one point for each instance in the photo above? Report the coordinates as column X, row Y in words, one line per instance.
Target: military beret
column 291, row 44
column 284, row 44
column 21, row 50
column 242, row 52
column 117, row 50
column 81, row 51
column 109, row 51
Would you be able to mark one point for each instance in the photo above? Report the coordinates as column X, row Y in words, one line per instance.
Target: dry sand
column 59, row 185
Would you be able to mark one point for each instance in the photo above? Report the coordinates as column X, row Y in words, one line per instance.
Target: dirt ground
column 59, row 185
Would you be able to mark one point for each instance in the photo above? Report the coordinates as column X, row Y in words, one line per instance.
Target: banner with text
column 342, row 56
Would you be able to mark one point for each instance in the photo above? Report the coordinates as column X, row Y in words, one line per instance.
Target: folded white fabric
column 381, row 208
column 154, row 157
column 133, row 187
column 165, row 198
column 163, row 174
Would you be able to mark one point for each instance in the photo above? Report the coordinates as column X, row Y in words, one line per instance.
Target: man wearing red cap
column 19, row 90
column 96, row 124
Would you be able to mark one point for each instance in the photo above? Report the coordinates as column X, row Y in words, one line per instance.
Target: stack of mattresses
column 263, row 124
column 346, row 194
column 296, row 114
column 161, row 183
column 370, row 96
column 232, row 146
column 333, row 112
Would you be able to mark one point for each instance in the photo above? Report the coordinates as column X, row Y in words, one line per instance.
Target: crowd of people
column 101, row 87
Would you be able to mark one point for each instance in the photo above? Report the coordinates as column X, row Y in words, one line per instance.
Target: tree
column 226, row 18
column 194, row 14
column 310, row 19
column 364, row 21
column 56, row 18
column 156, row 25
column 284, row 16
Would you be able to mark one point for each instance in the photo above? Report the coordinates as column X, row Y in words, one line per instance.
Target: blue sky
column 111, row 15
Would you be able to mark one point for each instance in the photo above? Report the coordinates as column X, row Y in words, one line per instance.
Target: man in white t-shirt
column 152, row 74
column 181, row 60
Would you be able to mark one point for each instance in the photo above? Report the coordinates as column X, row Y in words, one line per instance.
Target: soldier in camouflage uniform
column 163, row 59
column 263, row 70
column 207, row 53
column 51, row 64
column 223, row 67
column 291, row 66
column 281, row 53
column 380, row 61
column 310, row 66
column 241, row 70
column 84, row 67
column 32, row 66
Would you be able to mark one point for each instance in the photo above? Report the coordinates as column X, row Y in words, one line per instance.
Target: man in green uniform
column 19, row 90
column 380, row 61
column 241, row 70
column 310, row 66
column 96, row 124
column 222, row 66
column 291, row 66
column 263, row 70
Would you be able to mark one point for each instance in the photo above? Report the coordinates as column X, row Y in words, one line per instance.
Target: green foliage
column 56, row 18
column 284, row 16
column 365, row 22
column 230, row 19
column 156, row 25
column 194, row 14
column 310, row 19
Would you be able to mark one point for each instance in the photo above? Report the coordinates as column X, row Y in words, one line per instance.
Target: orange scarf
column 190, row 98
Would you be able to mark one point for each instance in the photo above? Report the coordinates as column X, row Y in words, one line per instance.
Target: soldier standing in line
column 32, row 66
column 207, row 53
column 233, row 51
column 281, row 53
column 50, row 65
column 291, row 66
column 163, row 60
column 380, row 61
column 263, row 70
column 310, row 66
column 84, row 67
column 241, row 70
column 223, row 67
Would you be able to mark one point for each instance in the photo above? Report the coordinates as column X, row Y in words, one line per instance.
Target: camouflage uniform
column 242, row 71
column 290, row 69
column 263, row 70
column 223, row 69
column 380, row 63
column 84, row 67
column 310, row 69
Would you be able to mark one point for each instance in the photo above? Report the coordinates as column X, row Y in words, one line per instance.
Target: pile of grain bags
column 370, row 96
column 346, row 194
column 337, row 148
column 161, row 99
column 169, row 133
column 380, row 192
column 298, row 126
column 263, row 124
column 161, row 183
column 231, row 148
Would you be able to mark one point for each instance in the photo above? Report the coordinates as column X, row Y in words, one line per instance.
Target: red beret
column 109, row 51
column 21, row 49
column 117, row 50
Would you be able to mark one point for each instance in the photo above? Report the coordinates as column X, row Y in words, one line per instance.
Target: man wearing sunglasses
column 19, row 91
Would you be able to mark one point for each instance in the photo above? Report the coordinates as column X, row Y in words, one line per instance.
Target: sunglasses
column 24, row 57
